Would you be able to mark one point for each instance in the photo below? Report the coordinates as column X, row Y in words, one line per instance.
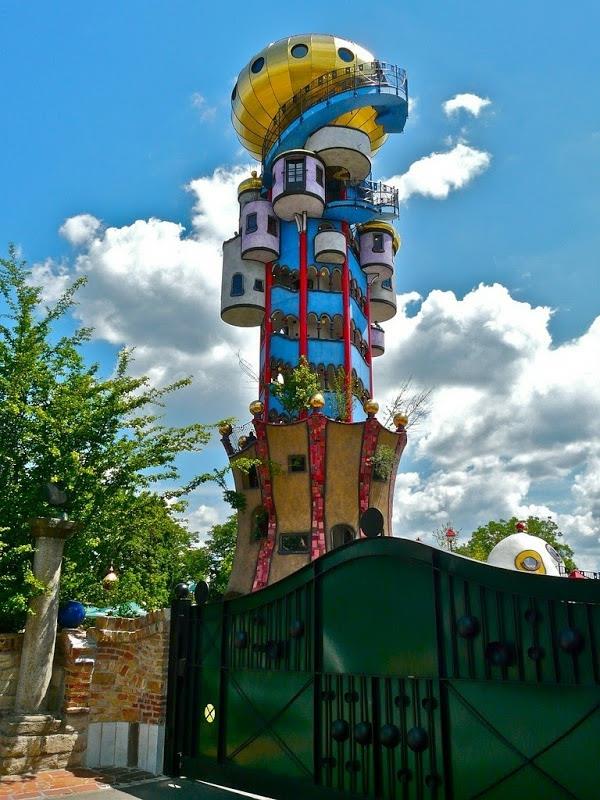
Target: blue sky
column 113, row 109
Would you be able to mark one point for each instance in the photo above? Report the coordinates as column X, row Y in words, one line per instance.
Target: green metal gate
column 389, row 669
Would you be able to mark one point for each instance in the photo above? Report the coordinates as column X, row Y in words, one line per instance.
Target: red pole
column 346, row 323
column 267, row 340
column 303, row 299
column 370, row 355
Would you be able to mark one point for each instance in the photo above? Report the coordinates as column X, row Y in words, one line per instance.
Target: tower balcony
column 330, row 246
column 378, row 245
column 242, row 288
column 382, row 299
column 343, row 150
column 377, row 341
column 298, row 185
column 360, row 202
column 260, row 231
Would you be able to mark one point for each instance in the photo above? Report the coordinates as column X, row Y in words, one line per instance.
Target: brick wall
column 108, row 690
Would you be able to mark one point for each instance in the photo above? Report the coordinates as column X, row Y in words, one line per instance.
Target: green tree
column 298, row 387
column 486, row 537
column 103, row 438
column 213, row 560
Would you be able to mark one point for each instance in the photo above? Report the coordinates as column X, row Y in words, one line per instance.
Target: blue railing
column 375, row 74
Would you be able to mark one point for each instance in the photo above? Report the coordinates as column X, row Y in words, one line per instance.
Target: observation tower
column 313, row 266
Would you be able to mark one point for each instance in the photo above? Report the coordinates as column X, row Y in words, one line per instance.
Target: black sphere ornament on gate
column 389, row 736
column 182, row 591
column 363, row 733
column 571, row 641
column 201, row 593
column 371, row 523
column 500, row 654
column 417, row 739
column 467, row 626
column 340, row 730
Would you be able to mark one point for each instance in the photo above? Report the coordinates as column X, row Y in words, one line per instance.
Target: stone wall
column 106, row 703
column 10, row 658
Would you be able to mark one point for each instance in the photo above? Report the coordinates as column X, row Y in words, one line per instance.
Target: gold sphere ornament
column 256, row 408
column 371, row 407
column 242, row 442
column 317, row 400
column 400, row 420
column 110, row 579
column 225, row 429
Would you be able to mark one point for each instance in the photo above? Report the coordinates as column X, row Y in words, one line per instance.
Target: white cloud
column 471, row 103
column 437, row 174
column 205, row 111
column 80, row 229
column 155, row 288
column 513, row 426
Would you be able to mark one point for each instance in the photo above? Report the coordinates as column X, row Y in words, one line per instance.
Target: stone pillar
column 39, row 640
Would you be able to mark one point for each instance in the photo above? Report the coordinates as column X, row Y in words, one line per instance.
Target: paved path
column 171, row 789
column 111, row 784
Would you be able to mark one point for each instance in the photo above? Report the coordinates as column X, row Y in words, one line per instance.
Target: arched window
column 237, row 285
column 336, row 280
column 340, row 535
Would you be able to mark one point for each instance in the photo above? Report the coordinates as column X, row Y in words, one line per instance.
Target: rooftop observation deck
column 378, row 84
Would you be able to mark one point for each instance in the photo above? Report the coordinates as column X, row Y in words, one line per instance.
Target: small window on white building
column 237, row 285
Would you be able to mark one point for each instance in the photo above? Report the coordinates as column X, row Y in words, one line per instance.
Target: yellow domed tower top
column 279, row 72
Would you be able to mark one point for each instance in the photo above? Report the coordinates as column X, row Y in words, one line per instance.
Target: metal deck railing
column 375, row 73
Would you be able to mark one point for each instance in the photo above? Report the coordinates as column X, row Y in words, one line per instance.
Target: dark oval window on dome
column 345, row 54
column 299, row 50
column 234, row 92
column 257, row 65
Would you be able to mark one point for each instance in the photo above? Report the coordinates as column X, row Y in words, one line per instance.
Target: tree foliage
column 299, row 385
column 486, row 537
column 103, row 438
column 213, row 560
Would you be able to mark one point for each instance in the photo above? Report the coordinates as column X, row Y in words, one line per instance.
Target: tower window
column 294, row 174
column 345, row 54
column 237, row 285
column 299, row 50
column 319, row 175
column 251, row 223
column 378, row 242
column 272, row 225
column 290, row 543
column 259, row 285
column 340, row 535
column 253, row 482
column 387, row 284
column 297, row 463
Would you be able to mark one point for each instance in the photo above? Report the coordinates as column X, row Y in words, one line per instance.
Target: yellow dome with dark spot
column 278, row 72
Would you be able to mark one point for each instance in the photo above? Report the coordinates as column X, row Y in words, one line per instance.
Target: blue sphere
column 71, row 614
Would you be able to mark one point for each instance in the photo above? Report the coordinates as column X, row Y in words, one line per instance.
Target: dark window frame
column 378, row 243
column 304, row 548
column 296, row 463
column 387, row 284
column 272, row 226
column 295, row 164
column 254, row 217
column 241, row 291
column 320, row 175
column 259, row 285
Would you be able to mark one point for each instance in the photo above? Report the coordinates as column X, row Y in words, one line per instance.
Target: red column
column 346, row 322
column 303, row 294
column 267, row 339
column 370, row 356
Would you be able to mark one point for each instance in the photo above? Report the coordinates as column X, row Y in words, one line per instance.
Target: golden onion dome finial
column 281, row 70
column 256, row 408
column 400, row 420
column 317, row 401
column 371, row 407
